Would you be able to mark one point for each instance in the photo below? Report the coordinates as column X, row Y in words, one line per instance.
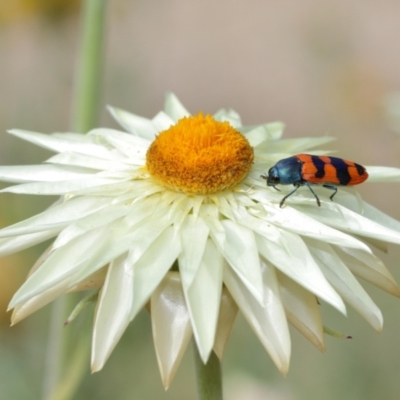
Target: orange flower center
column 199, row 155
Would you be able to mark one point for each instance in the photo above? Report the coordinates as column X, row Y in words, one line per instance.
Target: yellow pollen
column 199, row 155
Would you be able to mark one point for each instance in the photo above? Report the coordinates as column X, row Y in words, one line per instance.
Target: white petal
column 345, row 284
column 174, row 108
column 84, row 160
column 102, row 217
column 73, row 137
column 146, row 234
column 257, row 135
column 244, row 199
column 121, row 175
column 194, row 233
column 272, row 131
column 230, row 116
column 240, row 250
column 134, row 147
column 25, row 309
column 122, row 234
column 290, row 219
column 121, row 238
column 225, row 203
column 347, row 197
column 178, row 205
column 60, row 143
column 112, row 313
column 42, row 173
column 152, row 267
column 57, row 216
column 162, row 121
column 268, row 322
column 181, row 209
column 62, row 264
column 382, row 246
column 226, row 318
column 203, row 299
column 170, row 325
column 37, row 302
column 140, row 190
column 383, row 174
column 293, row 258
column 210, row 214
column 40, row 261
column 93, row 281
column 370, row 268
column 58, row 188
column 337, row 216
column 21, row 242
column 381, row 218
column 117, row 189
column 302, row 310
column 150, row 207
column 135, row 124
column 258, row 224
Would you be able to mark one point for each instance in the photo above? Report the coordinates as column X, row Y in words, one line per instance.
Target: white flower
column 175, row 214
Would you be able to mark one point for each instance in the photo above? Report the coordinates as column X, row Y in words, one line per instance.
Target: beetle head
column 272, row 178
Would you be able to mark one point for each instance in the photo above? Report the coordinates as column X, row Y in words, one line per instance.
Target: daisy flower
column 172, row 214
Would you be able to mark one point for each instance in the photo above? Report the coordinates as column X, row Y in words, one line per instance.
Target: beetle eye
column 273, row 177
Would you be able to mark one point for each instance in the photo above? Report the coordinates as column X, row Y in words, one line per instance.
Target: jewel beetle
column 306, row 169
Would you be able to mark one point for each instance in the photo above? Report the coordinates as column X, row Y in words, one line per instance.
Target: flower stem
column 209, row 377
column 67, row 355
column 52, row 373
column 88, row 79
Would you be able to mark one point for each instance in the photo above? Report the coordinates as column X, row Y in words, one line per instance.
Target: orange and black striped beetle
column 306, row 169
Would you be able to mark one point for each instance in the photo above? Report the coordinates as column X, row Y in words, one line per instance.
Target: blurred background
column 321, row 66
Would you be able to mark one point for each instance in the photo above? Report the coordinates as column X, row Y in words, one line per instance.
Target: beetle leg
column 331, row 187
column 316, row 197
column 283, row 200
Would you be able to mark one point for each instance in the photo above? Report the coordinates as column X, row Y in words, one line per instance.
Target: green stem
column 209, row 377
column 52, row 373
column 67, row 359
column 88, row 80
